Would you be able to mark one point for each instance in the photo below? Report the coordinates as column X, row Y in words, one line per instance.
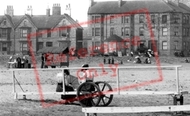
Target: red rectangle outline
column 144, row 10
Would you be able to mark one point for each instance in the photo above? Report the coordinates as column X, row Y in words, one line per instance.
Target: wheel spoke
column 91, row 100
column 103, row 100
column 103, row 87
column 107, row 97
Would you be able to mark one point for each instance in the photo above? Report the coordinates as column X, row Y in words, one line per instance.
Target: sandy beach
column 32, row 105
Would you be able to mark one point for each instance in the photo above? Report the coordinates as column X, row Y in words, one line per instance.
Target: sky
column 79, row 8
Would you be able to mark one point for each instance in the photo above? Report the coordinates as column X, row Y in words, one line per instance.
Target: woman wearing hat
column 68, row 84
column 85, row 74
column 86, row 77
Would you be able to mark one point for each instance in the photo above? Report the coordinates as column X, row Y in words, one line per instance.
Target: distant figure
column 10, row 60
column 132, row 54
column 138, row 60
column 42, row 61
column 186, row 60
column 18, row 62
column 23, row 62
column 147, row 61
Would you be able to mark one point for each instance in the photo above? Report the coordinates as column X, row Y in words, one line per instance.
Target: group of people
column 19, row 62
column 148, row 54
column 69, row 85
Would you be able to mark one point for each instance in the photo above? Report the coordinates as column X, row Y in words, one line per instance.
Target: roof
column 55, row 50
column 114, row 38
column 184, row 6
column 111, row 7
column 177, row 8
column 41, row 21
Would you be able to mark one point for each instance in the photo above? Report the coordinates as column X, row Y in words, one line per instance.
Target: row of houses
column 169, row 20
column 169, row 31
column 46, row 30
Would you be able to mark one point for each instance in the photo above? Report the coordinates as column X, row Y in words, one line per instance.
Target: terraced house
column 51, row 30
column 170, row 21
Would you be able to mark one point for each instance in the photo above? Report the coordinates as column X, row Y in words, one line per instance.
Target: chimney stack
column 10, row 10
column 119, row 3
column 29, row 10
column 48, row 11
column 56, row 9
column 91, row 2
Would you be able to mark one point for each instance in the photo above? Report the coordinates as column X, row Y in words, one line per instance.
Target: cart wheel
column 105, row 88
column 88, row 94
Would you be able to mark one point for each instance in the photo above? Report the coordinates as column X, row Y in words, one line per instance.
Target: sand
column 32, row 105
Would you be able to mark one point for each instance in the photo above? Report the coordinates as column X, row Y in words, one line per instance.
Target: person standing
column 18, row 62
column 42, row 61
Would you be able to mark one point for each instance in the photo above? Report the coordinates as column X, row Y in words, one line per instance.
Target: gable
column 25, row 23
column 63, row 22
column 5, row 23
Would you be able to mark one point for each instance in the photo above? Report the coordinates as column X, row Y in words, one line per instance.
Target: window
column 92, row 31
column 151, row 45
column 175, row 18
column 125, row 19
column 4, row 46
column 176, row 43
column 184, row 19
column 23, row 46
column 127, row 31
column 111, row 31
column 4, row 32
column 4, row 22
column 187, row 19
column 40, row 45
column 141, row 31
column 184, row 31
column 153, row 19
column 164, row 45
column 141, row 19
column 164, row 19
column 122, row 31
column 49, row 44
column 24, row 33
column 93, row 18
column 164, row 31
column 176, row 31
column 97, row 31
column 97, row 19
column 187, row 32
column 39, row 33
column 62, row 32
column 85, row 44
column 97, row 45
column 49, row 33
column 111, row 19
column 184, row 45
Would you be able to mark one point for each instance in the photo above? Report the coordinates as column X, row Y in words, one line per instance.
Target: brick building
column 170, row 22
column 51, row 30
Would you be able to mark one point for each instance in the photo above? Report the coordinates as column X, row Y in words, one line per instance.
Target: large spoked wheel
column 88, row 94
column 106, row 97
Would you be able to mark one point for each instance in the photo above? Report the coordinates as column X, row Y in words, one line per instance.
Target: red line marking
column 160, row 78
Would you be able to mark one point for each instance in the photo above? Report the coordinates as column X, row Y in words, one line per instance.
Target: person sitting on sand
column 138, row 60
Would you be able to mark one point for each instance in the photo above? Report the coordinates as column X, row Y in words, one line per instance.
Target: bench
column 146, row 109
